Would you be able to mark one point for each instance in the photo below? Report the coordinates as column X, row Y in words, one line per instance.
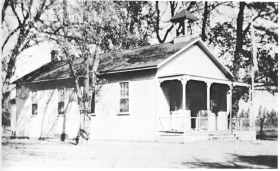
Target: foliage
column 270, row 118
column 244, row 114
column 264, row 16
column 137, row 23
column 122, row 24
column 266, row 118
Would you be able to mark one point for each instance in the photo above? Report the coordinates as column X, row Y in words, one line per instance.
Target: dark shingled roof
column 183, row 14
column 138, row 58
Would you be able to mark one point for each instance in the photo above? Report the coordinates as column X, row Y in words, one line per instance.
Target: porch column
column 230, row 106
column 184, row 83
column 208, row 103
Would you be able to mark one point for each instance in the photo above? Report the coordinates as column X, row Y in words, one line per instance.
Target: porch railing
column 241, row 124
column 172, row 123
column 201, row 123
column 177, row 123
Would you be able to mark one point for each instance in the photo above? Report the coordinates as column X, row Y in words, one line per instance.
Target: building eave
column 128, row 70
column 38, row 81
column 235, row 83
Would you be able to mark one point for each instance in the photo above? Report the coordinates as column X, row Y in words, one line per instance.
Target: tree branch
column 165, row 36
column 9, row 36
column 39, row 12
column 157, row 23
column 14, row 11
column 249, row 25
column 192, row 3
column 5, row 6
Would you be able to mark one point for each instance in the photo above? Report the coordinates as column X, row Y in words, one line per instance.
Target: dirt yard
column 124, row 154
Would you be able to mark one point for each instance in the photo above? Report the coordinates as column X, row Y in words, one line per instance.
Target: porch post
column 251, row 109
column 208, row 103
column 230, row 106
column 184, row 83
column 250, row 106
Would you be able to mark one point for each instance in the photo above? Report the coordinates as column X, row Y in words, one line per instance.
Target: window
column 124, row 97
column 61, row 101
column 34, row 103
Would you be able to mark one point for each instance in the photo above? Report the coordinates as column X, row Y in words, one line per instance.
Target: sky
column 32, row 59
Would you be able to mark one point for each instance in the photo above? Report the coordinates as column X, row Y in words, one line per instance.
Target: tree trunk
column 10, row 71
column 261, row 129
column 84, row 132
column 239, row 35
column 173, row 6
column 205, row 17
column 89, row 89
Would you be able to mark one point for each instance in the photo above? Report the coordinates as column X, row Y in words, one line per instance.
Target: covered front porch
column 191, row 106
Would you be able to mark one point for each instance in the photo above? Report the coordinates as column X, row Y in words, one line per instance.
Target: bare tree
column 19, row 35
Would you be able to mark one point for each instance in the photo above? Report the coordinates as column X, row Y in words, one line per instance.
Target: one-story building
column 177, row 91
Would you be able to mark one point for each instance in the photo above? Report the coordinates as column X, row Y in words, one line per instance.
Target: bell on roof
column 182, row 15
column 182, row 23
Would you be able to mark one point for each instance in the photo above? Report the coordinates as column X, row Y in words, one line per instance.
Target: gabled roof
column 147, row 57
column 211, row 55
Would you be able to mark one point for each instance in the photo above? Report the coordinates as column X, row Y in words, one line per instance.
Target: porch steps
column 177, row 137
column 222, row 136
column 171, row 136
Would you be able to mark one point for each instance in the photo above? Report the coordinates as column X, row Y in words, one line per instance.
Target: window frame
column 120, row 97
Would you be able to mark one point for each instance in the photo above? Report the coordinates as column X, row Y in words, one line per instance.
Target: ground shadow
column 7, row 142
column 239, row 162
column 261, row 160
column 223, row 165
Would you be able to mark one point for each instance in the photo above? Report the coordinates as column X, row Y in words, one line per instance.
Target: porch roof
column 205, row 79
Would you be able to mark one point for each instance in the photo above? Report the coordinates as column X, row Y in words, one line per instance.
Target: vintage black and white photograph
column 139, row 84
